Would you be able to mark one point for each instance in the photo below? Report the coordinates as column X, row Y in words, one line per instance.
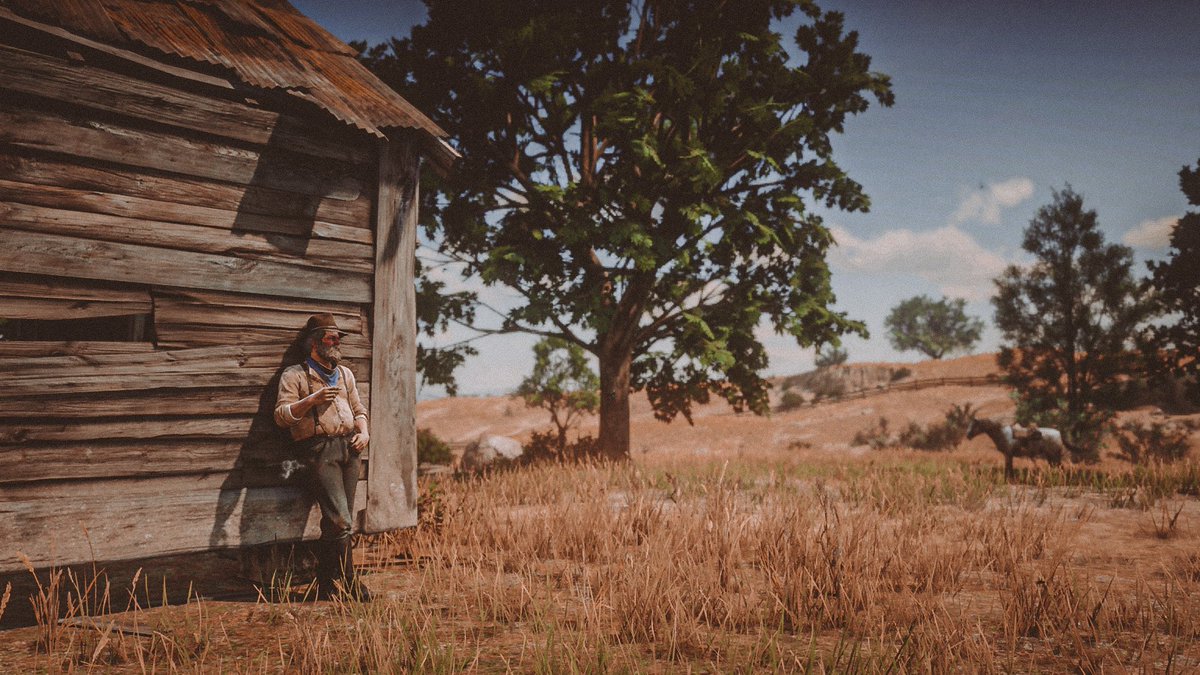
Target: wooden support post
column 392, row 477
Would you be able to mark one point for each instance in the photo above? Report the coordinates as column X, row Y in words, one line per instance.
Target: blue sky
column 997, row 103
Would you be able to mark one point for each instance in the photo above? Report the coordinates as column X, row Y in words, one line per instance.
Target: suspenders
column 308, row 380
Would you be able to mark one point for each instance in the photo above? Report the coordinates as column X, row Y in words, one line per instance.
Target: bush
column 900, row 373
column 878, row 436
column 431, row 449
column 944, row 435
column 543, row 446
column 790, row 401
column 1158, row 441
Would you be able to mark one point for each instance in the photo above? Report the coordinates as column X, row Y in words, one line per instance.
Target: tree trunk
column 614, row 402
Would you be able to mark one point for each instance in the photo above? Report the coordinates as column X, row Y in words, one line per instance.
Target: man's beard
column 331, row 353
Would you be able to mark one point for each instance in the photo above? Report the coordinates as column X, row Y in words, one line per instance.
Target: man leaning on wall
column 320, row 405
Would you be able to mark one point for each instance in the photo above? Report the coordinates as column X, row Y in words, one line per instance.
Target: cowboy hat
column 323, row 321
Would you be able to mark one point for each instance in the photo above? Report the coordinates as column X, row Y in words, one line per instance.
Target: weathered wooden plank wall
column 224, row 220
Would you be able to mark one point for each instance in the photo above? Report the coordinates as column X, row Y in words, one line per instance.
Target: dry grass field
column 739, row 544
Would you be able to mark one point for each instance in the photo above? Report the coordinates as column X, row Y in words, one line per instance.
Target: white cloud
column 984, row 206
column 947, row 257
column 1151, row 234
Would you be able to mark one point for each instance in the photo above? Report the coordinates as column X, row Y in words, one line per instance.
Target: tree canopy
column 1177, row 283
column 1068, row 321
column 641, row 175
column 932, row 327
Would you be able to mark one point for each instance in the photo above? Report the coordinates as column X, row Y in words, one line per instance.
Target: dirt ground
column 1111, row 539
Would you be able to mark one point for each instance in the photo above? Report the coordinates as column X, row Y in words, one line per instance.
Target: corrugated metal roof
column 264, row 43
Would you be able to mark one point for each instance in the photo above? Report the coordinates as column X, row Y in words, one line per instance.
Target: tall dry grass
column 760, row 566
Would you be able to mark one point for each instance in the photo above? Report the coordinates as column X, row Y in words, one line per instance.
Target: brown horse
column 1047, row 443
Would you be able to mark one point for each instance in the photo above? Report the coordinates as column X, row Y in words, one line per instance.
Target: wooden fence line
column 914, row 385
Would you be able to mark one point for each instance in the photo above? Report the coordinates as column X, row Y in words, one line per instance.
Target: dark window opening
column 129, row 328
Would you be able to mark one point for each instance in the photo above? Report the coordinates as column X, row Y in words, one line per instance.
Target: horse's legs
column 1008, row 466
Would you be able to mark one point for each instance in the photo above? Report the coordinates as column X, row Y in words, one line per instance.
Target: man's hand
column 359, row 441
column 324, row 395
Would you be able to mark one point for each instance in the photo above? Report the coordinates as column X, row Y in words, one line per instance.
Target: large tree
column 637, row 171
column 1068, row 320
column 1177, row 283
column 932, row 327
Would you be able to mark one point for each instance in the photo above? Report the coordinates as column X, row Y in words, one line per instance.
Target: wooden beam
column 61, row 523
column 36, row 349
column 255, row 208
column 211, row 400
column 299, row 250
column 222, row 400
column 392, row 479
column 49, row 254
column 26, row 297
column 183, row 306
column 273, row 167
column 102, row 89
column 154, row 210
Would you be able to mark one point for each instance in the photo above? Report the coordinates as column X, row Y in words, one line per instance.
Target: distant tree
column 638, row 172
column 561, row 383
column 1068, row 321
column 1176, row 282
column 830, row 356
column 932, row 327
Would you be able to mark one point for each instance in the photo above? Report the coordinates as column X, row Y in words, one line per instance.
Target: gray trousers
column 333, row 468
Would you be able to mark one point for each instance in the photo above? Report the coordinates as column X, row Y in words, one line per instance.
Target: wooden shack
column 181, row 185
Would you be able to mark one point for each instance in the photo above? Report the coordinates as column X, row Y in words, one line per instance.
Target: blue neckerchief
column 329, row 377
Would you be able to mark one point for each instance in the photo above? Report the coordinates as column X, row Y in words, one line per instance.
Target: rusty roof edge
column 439, row 151
column 119, row 52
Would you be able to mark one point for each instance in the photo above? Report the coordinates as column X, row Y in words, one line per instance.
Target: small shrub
column 878, row 436
column 790, row 401
column 545, row 446
column 944, row 435
column 937, row 436
column 431, row 449
column 1158, row 441
column 899, row 374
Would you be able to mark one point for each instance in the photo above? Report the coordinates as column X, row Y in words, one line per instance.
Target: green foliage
column 562, row 383
column 932, row 327
column 1157, row 441
column 436, row 309
column 431, row 449
column 638, row 174
column 831, row 356
column 1175, row 345
column 1068, row 320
